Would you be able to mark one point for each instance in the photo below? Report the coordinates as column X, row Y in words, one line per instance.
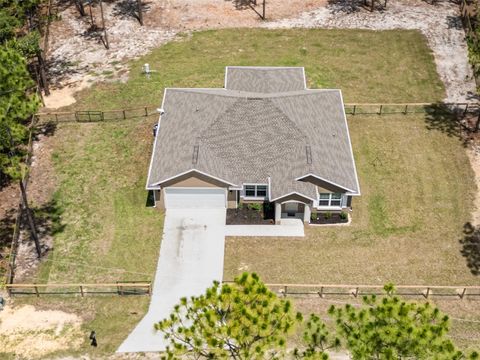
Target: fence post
column 462, row 294
column 321, row 292
column 36, row 291
column 146, row 111
column 427, row 294
column 124, row 116
column 466, row 109
column 380, row 111
column 355, row 293
column 285, row 289
column 81, row 290
column 354, row 108
column 406, row 109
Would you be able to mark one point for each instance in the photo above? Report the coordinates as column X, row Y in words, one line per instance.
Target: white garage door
column 182, row 198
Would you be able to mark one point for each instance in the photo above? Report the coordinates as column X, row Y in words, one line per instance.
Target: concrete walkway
column 288, row 227
column 191, row 258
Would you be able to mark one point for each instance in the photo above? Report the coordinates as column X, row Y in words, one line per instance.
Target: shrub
column 327, row 215
column 343, row 215
column 268, row 206
column 313, row 216
column 255, row 206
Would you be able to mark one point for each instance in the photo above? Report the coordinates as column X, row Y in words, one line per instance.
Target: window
column 259, row 191
column 250, row 190
column 262, row 190
column 330, row 199
column 324, row 200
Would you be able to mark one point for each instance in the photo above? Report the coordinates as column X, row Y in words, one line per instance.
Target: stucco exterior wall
column 232, row 199
column 159, row 199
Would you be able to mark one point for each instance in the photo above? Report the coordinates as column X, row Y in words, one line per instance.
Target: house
column 264, row 137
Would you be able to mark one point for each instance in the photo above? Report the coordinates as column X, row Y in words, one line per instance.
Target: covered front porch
column 292, row 209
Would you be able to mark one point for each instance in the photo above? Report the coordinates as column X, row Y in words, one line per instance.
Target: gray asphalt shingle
column 265, row 79
column 246, row 137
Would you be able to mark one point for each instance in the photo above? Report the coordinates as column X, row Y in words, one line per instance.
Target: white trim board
column 292, row 193
column 193, row 170
column 155, row 143
column 350, row 143
column 353, row 193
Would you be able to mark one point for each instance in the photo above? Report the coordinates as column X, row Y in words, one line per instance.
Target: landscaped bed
column 416, row 183
column 328, row 218
column 251, row 214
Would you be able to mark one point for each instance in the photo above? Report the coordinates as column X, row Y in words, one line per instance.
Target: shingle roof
column 246, row 137
column 265, row 79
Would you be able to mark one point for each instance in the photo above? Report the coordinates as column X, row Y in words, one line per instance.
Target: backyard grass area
column 417, row 192
column 109, row 233
column 416, row 183
column 369, row 66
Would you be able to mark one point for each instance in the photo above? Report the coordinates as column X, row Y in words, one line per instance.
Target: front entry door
column 291, row 208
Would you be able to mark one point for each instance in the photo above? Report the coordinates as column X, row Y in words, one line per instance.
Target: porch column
column 307, row 212
column 278, row 212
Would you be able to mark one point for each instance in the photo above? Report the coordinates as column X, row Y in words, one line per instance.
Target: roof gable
column 265, row 79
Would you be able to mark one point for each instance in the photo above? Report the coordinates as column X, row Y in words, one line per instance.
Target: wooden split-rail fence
column 82, row 289
column 321, row 291
column 350, row 109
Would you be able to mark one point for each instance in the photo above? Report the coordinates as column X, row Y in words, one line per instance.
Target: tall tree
column 20, row 24
column 390, row 328
column 244, row 320
column 17, row 104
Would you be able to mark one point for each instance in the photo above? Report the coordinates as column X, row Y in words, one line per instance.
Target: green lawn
column 415, row 182
column 369, row 66
column 417, row 193
column 109, row 234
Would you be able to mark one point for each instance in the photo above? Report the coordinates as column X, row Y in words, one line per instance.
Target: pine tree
column 17, row 105
column 389, row 328
column 244, row 320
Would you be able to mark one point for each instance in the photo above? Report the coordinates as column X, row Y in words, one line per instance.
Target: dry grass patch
column 417, row 193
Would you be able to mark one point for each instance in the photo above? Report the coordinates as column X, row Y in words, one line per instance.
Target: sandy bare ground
column 79, row 58
column 474, row 157
column 441, row 25
column 33, row 334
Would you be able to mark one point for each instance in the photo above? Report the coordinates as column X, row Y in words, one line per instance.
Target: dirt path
column 474, row 157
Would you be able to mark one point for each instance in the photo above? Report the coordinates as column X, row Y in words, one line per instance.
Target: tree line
column 21, row 63
column 245, row 321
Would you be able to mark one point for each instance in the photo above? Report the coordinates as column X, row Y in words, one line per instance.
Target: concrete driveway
column 191, row 258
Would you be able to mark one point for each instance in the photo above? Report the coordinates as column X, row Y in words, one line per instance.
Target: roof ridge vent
column 308, row 151
column 254, row 98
